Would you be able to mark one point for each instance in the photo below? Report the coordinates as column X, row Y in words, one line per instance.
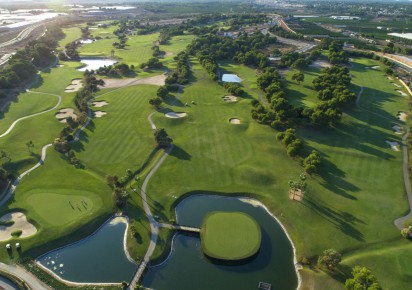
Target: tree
column 162, row 92
column 312, row 162
column 363, row 279
column 162, row 139
column 29, row 146
column 299, row 77
column 5, row 155
column 406, row 232
column 330, row 259
column 156, row 102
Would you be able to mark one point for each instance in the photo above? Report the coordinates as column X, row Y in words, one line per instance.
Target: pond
column 100, row 258
column 95, row 63
column 187, row 266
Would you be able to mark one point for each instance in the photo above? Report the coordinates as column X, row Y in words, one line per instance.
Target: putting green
column 60, row 209
column 230, row 236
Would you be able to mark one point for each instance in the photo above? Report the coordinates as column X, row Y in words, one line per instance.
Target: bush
column 16, row 233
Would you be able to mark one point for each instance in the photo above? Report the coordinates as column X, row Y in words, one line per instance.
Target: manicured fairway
column 72, row 34
column 137, row 51
column 122, row 139
column 345, row 201
column 26, row 104
column 230, row 236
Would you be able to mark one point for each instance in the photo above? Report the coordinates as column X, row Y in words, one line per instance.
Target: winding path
column 398, row 222
column 154, row 225
column 33, row 115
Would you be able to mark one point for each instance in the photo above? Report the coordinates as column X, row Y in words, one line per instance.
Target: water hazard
column 187, row 268
column 100, row 258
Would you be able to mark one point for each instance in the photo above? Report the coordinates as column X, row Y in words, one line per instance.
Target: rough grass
column 72, row 34
column 230, row 236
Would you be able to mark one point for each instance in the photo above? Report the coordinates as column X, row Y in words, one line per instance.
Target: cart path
column 398, row 222
column 33, row 115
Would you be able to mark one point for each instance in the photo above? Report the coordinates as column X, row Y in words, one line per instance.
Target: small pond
column 187, row 268
column 95, row 63
column 99, row 258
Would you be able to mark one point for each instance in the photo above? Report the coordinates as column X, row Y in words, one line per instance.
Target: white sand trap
column 390, row 78
column 402, row 93
column 397, row 129
column 401, row 116
column 320, row 63
column 230, row 98
column 76, row 85
column 99, row 104
column 20, row 223
column 118, row 83
column 99, row 114
column 63, row 114
column 175, row 115
column 234, row 121
column 375, row 67
column 396, row 85
column 394, row 145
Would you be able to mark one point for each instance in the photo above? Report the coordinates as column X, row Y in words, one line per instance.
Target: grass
column 230, row 236
column 51, row 197
column 16, row 233
column 72, row 34
column 344, row 201
column 137, row 51
column 53, row 81
column 122, row 139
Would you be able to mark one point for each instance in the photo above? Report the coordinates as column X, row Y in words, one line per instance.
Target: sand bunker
column 63, row 114
column 402, row 93
column 390, row 78
column 394, row 145
column 401, row 116
column 20, row 224
column 296, row 194
column 397, row 129
column 230, row 98
column 320, row 63
column 74, row 86
column 99, row 104
column 375, row 67
column 99, row 114
column 175, row 115
column 396, row 85
column 234, row 121
column 118, row 83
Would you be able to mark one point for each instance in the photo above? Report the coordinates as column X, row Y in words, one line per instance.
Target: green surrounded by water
column 187, row 266
column 230, row 236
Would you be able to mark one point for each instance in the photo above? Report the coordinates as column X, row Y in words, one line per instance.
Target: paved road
column 21, row 36
column 21, row 273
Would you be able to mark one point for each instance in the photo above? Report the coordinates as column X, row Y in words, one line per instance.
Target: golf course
column 219, row 190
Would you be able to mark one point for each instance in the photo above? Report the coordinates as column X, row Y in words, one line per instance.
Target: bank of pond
column 102, row 257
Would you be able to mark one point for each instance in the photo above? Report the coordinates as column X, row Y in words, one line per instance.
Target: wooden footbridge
column 181, row 228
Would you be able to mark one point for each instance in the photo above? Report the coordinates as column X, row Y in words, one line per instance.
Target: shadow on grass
column 342, row 220
column 180, row 153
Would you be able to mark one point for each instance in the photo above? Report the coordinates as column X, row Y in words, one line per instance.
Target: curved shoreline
column 71, row 283
column 242, row 199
